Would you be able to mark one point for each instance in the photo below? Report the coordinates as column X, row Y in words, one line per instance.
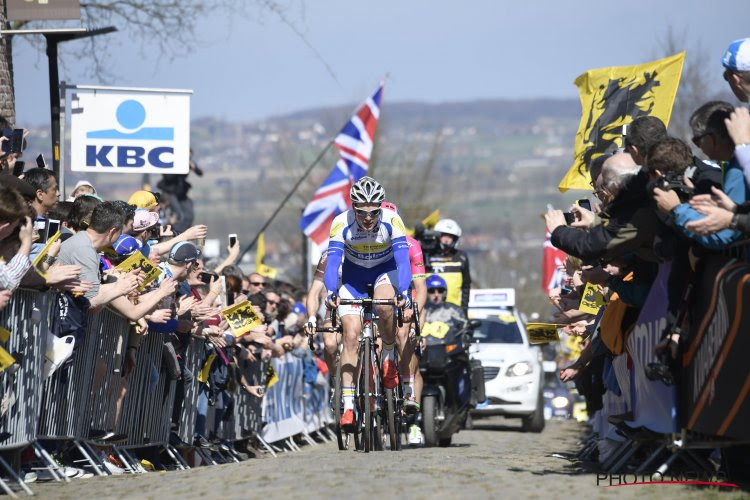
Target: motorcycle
column 453, row 383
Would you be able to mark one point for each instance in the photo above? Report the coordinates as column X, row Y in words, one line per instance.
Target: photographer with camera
column 668, row 162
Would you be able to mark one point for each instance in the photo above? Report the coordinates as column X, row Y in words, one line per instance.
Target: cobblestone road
column 495, row 460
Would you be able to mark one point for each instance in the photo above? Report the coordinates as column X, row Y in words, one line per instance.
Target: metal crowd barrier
column 193, row 361
column 78, row 400
column 26, row 317
column 147, row 409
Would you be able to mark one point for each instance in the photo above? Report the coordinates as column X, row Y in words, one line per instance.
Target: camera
column 428, row 239
column 672, row 181
column 661, row 370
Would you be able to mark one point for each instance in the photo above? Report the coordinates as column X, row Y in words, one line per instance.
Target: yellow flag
column 40, row 258
column 260, row 268
column 139, row 261
column 241, row 318
column 260, row 250
column 591, row 300
column 613, row 97
column 203, row 375
column 541, row 333
column 6, row 360
column 271, row 377
column 432, row 219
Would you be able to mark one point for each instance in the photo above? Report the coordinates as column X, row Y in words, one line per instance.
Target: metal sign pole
column 61, row 175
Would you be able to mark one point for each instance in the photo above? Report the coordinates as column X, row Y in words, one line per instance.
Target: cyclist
column 451, row 264
column 409, row 364
column 369, row 244
column 312, row 304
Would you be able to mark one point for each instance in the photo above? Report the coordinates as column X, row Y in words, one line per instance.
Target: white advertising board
column 130, row 131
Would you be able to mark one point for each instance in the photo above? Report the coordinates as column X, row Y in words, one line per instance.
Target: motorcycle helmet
column 435, row 281
column 367, row 190
column 448, row 226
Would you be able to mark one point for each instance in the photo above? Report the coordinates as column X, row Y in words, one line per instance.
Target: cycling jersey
column 367, row 255
column 416, row 259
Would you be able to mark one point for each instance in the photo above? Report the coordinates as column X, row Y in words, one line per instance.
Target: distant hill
column 520, row 112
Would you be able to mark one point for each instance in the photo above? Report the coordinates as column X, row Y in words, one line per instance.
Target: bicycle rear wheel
column 393, row 416
column 343, row 442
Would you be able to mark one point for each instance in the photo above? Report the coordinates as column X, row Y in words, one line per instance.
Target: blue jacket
column 736, row 188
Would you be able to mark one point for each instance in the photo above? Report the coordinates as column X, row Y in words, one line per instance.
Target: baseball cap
column 737, row 56
column 24, row 188
column 183, row 252
column 435, row 281
column 126, row 245
column 144, row 199
column 299, row 308
column 143, row 219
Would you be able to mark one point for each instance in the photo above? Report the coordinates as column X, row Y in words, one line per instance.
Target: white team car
column 513, row 373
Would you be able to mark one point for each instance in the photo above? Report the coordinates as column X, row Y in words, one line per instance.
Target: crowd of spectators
column 658, row 202
column 73, row 248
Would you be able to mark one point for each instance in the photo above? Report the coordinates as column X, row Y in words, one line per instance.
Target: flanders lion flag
column 613, row 97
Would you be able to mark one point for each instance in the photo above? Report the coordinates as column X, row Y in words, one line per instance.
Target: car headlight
column 559, row 402
column 518, row 369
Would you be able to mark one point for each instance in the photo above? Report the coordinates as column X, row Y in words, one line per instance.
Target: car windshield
column 498, row 331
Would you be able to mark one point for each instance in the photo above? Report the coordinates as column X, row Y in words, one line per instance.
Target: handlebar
column 368, row 300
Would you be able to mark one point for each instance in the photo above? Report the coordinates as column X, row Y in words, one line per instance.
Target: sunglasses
column 257, row 283
column 727, row 73
column 276, row 303
column 697, row 139
column 367, row 213
column 436, row 290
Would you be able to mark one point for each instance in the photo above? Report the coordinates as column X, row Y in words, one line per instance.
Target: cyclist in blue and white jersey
column 369, row 243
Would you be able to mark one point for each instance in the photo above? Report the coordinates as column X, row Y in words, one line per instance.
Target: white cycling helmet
column 367, row 190
column 448, row 226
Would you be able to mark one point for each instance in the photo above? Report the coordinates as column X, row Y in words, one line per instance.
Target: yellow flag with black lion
column 613, row 97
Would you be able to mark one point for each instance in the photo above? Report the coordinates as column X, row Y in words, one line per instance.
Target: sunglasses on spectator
column 436, row 290
column 697, row 138
column 257, row 283
column 276, row 303
column 367, row 213
column 727, row 73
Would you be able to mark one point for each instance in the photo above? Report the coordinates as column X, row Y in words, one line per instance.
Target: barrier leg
column 15, row 477
column 698, row 461
column 625, row 457
column 7, row 489
column 292, row 445
column 663, row 468
column 128, row 466
column 309, row 439
column 52, row 466
column 266, row 446
column 90, row 457
column 206, row 457
column 616, row 454
column 176, row 458
column 644, row 466
column 135, row 464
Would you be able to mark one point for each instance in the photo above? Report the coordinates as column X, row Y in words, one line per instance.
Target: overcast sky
column 433, row 50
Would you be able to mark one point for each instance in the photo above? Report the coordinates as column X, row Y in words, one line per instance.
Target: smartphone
column 53, row 226
column 40, row 161
column 584, row 203
column 40, row 229
column 206, row 277
column 232, row 239
column 16, row 141
column 18, row 168
column 569, row 218
column 230, row 298
column 565, row 290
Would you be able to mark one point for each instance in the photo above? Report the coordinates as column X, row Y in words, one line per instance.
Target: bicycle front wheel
column 365, row 398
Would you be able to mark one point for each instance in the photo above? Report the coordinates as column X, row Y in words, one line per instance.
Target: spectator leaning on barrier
column 13, row 215
column 672, row 156
column 628, row 224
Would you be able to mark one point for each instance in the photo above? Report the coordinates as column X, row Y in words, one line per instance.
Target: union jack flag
column 354, row 143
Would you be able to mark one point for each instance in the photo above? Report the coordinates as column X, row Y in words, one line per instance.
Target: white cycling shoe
column 415, row 436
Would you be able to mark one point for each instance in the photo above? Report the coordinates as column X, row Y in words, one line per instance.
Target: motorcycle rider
column 437, row 308
column 451, row 264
